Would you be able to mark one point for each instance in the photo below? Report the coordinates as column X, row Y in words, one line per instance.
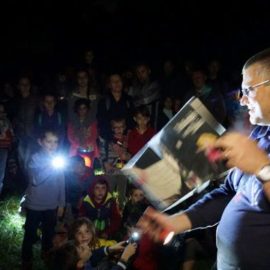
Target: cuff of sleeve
column 122, row 265
column 194, row 218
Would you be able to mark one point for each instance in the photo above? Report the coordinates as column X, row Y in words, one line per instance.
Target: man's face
column 100, row 191
column 116, row 84
column 49, row 143
column 258, row 100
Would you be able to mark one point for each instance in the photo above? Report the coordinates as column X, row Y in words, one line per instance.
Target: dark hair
column 64, row 258
column 77, row 224
column 44, row 132
column 79, row 102
column 49, row 94
column 143, row 110
column 262, row 57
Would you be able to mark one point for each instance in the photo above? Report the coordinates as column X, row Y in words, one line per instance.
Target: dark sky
column 52, row 32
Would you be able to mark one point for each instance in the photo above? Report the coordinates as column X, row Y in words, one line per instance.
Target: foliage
column 11, row 236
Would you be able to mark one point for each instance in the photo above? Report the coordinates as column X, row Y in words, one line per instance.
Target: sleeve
column 97, row 256
column 40, row 170
column 209, row 209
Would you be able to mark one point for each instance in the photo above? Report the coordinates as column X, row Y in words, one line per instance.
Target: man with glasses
column 241, row 206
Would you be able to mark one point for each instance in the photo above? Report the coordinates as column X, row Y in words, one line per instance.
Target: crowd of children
column 98, row 132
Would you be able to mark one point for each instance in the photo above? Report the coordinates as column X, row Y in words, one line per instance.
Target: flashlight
column 166, row 236
column 58, row 162
column 134, row 238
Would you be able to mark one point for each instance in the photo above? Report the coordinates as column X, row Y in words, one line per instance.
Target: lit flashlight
column 58, row 162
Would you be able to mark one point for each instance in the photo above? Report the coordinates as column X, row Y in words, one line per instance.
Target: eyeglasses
column 246, row 91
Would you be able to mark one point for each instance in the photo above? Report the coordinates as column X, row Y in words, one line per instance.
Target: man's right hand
column 155, row 224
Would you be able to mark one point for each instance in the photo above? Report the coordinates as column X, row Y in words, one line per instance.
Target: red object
column 136, row 140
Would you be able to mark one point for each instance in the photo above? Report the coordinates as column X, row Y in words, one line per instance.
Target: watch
column 264, row 173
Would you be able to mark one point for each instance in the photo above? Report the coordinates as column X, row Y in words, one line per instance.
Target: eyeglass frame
column 246, row 91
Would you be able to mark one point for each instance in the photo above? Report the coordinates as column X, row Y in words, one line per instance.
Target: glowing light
column 168, row 238
column 58, row 162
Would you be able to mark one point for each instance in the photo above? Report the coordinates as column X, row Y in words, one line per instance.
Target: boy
column 136, row 204
column 114, row 155
column 142, row 133
column 49, row 118
column 101, row 208
column 45, row 197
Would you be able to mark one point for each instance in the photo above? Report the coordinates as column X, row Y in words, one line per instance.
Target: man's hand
column 242, row 152
column 155, row 224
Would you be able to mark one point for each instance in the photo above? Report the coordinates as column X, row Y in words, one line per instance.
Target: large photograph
column 180, row 160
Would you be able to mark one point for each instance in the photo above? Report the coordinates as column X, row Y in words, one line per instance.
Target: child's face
column 82, row 110
column 49, row 142
column 49, row 103
column 83, row 236
column 137, row 195
column 141, row 120
column 100, row 191
column 118, row 128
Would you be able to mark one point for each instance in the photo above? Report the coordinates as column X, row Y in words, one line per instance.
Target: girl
column 83, row 235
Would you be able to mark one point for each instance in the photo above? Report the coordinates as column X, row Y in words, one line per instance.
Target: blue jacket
column 46, row 188
column 243, row 213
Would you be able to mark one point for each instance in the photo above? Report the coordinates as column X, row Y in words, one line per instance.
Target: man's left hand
column 242, row 152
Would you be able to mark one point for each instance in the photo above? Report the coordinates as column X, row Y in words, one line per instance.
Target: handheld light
column 58, row 162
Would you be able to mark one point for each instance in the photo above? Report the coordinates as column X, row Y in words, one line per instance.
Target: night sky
column 53, row 33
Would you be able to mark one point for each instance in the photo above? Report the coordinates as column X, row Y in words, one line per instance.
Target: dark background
column 50, row 34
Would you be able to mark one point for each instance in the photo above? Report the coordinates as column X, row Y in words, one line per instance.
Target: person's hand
column 155, row 223
column 240, row 151
column 119, row 247
column 128, row 252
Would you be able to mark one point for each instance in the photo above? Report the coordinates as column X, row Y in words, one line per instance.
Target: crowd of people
column 98, row 123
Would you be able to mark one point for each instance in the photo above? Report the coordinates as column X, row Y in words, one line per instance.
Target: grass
column 11, row 236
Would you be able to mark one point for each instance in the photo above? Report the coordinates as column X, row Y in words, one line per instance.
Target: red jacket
column 136, row 140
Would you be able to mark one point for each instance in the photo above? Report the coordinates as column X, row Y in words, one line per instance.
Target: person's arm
column 40, row 169
column 129, row 251
column 242, row 152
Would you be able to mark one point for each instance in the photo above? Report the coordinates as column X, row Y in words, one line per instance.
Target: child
column 49, row 118
column 45, row 197
column 136, row 204
column 78, row 181
column 71, row 257
column 142, row 133
column 101, row 208
column 114, row 155
column 166, row 112
column 82, row 132
column 6, row 138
